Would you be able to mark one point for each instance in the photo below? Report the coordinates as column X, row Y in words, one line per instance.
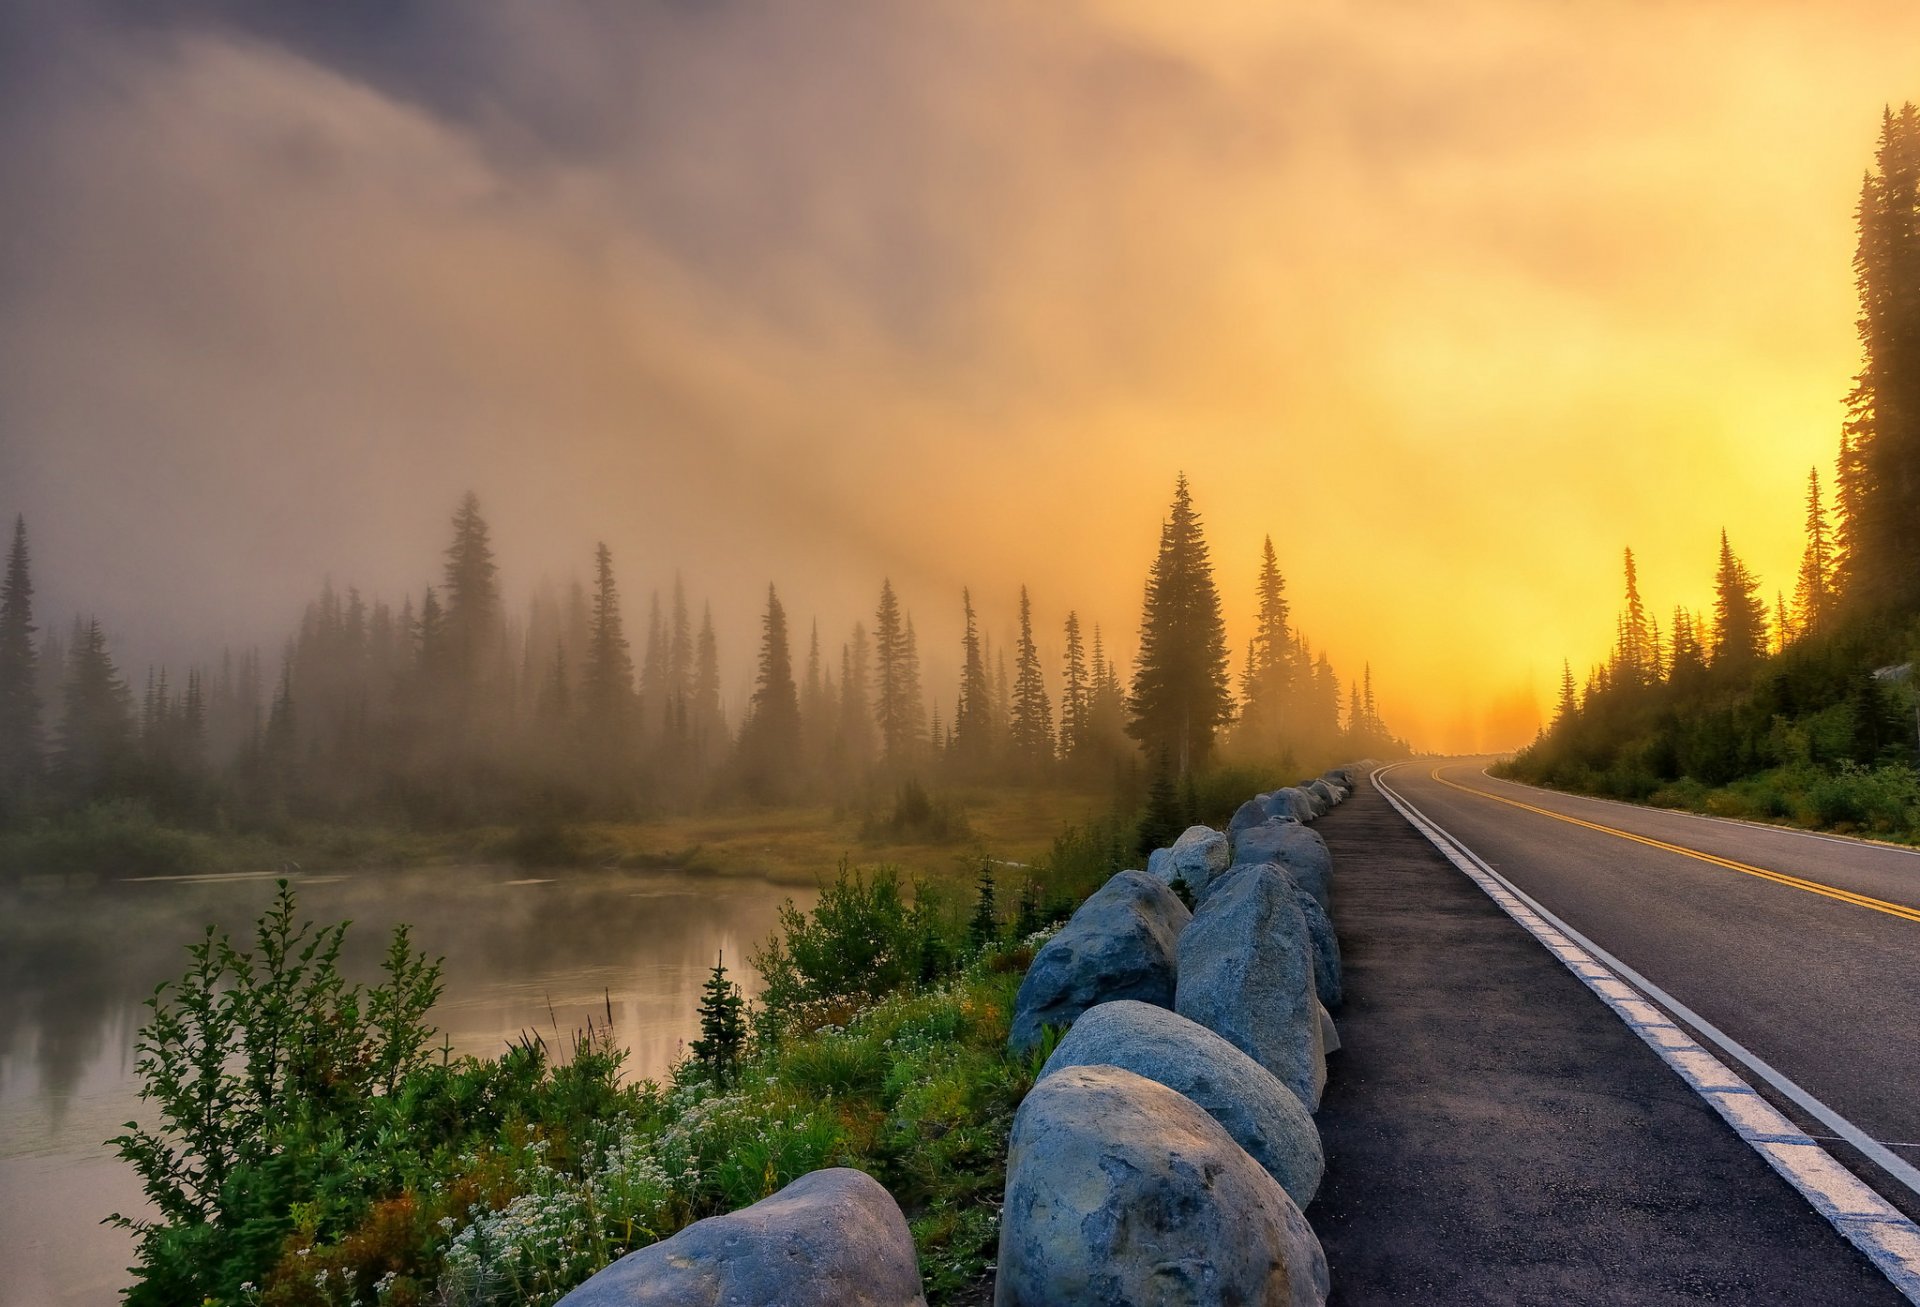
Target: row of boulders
column 1168, row 1145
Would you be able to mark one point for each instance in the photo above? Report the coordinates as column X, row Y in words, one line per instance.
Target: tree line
column 449, row 708
column 1820, row 678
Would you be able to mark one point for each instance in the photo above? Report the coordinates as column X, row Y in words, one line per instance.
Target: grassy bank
column 1880, row 802
column 316, row 1147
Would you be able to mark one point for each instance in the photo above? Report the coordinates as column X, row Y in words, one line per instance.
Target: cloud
column 1454, row 303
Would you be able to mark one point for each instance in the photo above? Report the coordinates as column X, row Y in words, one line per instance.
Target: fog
column 1453, row 301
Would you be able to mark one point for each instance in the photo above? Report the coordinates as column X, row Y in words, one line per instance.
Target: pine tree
column 1813, row 590
column 972, row 719
column 1031, row 728
column 1180, row 695
column 473, row 596
column 1633, row 658
column 983, row 928
column 913, row 692
column 1106, row 702
column 1269, row 657
column 21, row 743
column 96, row 727
column 769, row 744
column 1740, row 616
column 1075, row 695
column 1569, row 706
column 606, row 687
column 1689, row 661
column 1030, row 916
column 1879, row 479
column 723, row 1026
column 893, row 688
column 654, row 703
column 709, row 729
column 1166, row 814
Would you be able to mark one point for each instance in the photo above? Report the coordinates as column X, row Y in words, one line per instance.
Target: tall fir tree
column 96, row 723
column 723, row 1026
column 606, row 683
column 1031, row 724
column 1740, row 615
column 709, row 717
column 1269, row 674
column 892, row 714
column 769, row 746
column 973, row 717
column 1813, row 597
column 1180, row 691
column 1633, row 660
column 1075, row 693
column 1879, row 482
column 473, row 596
column 1569, row 706
column 21, row 743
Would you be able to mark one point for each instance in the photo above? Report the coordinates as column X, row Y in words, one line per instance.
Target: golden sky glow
column 1454, row 300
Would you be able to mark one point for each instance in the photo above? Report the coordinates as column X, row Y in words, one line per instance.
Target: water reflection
column 524, row 954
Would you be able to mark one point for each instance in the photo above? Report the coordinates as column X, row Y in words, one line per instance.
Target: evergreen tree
column 709, row 728
column 1075, row 695
column 1106, row 703
column 723, row 1026
column 655, row 706
column 1180, row 695
column 1268, row 677
column 473, row 595
column 914, row 693
column 1633, row 662
column 1880, row 441
column 96, row 727
column 973, row 718
column 856, row 708
column 983, row 928
column 606, row 687
column 1166, row 814
column 1030, row 916
column 1813, row 598
column 21, row 744
column 1031, row 728
column 891, row 709
column 1740, row 615
column 1689, row 661
column 1569, row 705
column 769, row 744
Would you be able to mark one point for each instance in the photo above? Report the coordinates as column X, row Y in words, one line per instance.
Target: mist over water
column 537, row 954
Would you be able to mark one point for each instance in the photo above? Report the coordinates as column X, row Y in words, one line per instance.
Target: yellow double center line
column 1899, row 910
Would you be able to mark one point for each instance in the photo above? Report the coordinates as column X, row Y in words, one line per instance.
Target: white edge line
column 1865, row 1219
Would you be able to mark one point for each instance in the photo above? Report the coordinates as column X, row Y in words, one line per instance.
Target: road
column 1804, row 948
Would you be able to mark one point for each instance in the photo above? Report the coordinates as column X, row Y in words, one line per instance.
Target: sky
column 1454, row 301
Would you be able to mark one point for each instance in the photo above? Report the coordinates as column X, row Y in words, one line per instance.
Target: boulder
column 1298, row 804
column 1121, row 1191
column 1263, row 1115
column 832, row 1238
column 1326, row 949
column 1295, row 847
column 1246, row 973
column 1251, row 813
column 1329, row 1033
column 1196, row 857
column 1123, row 942
column 1324, row 793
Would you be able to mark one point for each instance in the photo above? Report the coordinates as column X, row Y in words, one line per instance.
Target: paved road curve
column 1804, row 948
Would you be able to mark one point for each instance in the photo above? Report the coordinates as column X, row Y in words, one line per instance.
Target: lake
column 524, row 952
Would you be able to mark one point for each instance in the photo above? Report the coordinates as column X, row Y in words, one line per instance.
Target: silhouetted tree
column 1031, row 726
column 1740, row 616
column 1880, row 443
column 1180, row 695
column 769, row 746
column 892, row 712
column 21, row 744
column 723, row 1026
column 96, row 726
column 1813, row 597
column 973, row 717
column 1075, row 694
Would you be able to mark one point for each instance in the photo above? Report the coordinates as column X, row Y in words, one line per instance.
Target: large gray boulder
column 1247, row 974
column 1263, row 1115
column 1324, row 792
column 1298, row 804
column 1299, row 849
column 1123, row 942
column 1200, row 854
column 1326, row 949
column 1251, row 813
column 832, row 1238
column 1120, row 1191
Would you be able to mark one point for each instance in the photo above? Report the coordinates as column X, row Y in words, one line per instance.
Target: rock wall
column 1168, row 1148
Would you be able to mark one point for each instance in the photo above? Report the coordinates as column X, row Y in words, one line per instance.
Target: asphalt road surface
column 1496, row 1134
column 1806, row 949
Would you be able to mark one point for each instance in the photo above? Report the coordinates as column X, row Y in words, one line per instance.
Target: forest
column 1803, row 709
column 450, row 709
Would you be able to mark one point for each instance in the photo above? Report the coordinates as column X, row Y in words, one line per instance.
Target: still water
column 523, row 953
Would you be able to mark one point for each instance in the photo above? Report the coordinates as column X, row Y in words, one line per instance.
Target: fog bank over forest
column 1447, row 304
